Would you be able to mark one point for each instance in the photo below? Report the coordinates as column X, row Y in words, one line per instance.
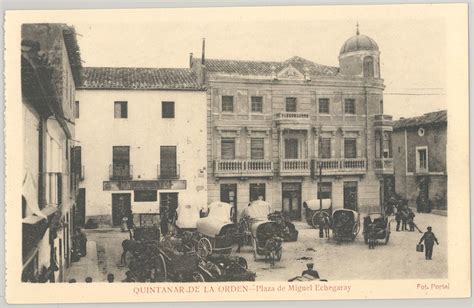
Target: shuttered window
column 228, row 148
column 325, row 148
column 227, row 103
column 350, row 150
column 290, row 104
column 76, row 110
column 257, row 150
column 121, row 155
column 168, row 167
column 120, row 110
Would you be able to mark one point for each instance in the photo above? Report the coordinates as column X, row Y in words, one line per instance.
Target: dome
column 358, row 42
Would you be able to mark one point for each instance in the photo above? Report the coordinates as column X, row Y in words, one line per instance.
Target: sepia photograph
column 181, row 147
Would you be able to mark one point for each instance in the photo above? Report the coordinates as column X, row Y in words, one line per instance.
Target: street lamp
column 320, row 166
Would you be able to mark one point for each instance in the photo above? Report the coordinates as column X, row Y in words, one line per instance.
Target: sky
column 413, row 50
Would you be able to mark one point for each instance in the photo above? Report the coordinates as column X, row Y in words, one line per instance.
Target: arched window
column 368, row 67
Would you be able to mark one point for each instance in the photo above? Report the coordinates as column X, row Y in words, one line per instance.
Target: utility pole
column 320, row 166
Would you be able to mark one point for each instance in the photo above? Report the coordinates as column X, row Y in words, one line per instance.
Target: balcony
column 295, row 167
column 383, row 120
column 339, row 166
column 120, row 172
column 384, row 165
column 243, row 168
column 167, row 172
column 292, row 118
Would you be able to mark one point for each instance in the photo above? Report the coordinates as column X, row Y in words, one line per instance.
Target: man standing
column 429, row 239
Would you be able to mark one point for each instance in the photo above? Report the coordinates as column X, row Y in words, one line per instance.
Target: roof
column 358, row 42
column 430, row 118
column 259, row 68
column 139, row 78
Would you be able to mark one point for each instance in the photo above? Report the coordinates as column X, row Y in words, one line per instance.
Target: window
column 168, row 166
column 257, row 103
column 121, row 162
column 326, row 190
column 257, row 148
column 228, row 148
column 326, row 148
column 350, row 150
column 290, row 104
column 323, row 105
column 227, row 104
column 145, row 196
column 256, row 191
column 291, row 148
column 76, row 110
column 349, row 106
column 120, row 110
column 421, row 159
column 368, row 67
column 381, row 107
column 167, row 110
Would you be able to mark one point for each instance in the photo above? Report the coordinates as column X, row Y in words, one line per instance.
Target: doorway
column 350, row 195
column 291, row 200
column 121, row 207
column 169, row 201
column 229, row 195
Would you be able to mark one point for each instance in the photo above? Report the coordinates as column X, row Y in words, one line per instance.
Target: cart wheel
column 279, row 253
column 254, row 243
column 161, row 275
column 204, row 248
column 198, row 277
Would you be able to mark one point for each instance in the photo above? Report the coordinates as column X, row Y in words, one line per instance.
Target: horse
column 132, row 246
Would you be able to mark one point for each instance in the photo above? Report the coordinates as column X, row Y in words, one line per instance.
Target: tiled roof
column 426, row 119
column 139, row 78
column 260, row 68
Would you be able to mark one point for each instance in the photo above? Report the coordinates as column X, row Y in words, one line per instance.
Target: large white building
column 142, row 135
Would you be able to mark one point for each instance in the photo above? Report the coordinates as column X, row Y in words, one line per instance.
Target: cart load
column 187, row 216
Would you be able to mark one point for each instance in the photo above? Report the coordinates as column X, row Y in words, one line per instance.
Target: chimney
column 203, row 51
column 190, row 59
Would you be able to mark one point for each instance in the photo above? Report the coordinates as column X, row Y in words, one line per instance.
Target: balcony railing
column 168, row 172
column 292, row 115
column 383, row 120
column 120, row 172
column 243, row 167
column 300, row 167
column 384, row 165
column 339, row 166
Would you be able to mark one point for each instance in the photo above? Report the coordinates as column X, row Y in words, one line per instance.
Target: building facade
column 419, row 146
column 142, row 135
column 273, row 125
column 50, row 71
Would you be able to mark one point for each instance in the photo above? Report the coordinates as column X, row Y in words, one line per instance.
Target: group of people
column 405, row 217
column 110, row 279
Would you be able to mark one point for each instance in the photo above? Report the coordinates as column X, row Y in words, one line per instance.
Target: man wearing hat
column 429, row 239
column 310, row 271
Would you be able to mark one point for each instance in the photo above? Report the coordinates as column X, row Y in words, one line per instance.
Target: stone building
column 273, row 125
column 142, row 135
column 50, row 71
column 419, row 146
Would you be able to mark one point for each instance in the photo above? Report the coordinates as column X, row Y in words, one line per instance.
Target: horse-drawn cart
column 317, row 212
column 346, row 225
column 215, row 233
column 378, row 226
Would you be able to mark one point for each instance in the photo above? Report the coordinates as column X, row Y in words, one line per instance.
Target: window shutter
column 228, row 148
column 257, row 148
column 325, row 148
column 350, row 150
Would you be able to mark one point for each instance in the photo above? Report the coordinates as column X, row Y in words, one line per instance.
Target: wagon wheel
column 204, row 248
column 198, row 277
column 279, row 253
column 254, row 243
column 161, row 271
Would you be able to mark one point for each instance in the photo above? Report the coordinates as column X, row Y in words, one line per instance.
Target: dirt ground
column 349, row 260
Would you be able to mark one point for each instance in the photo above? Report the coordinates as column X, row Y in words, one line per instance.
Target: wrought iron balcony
column 295, row 167
column 168, row 172
column 292, row 118
column 243, row 168
column 339, row 166
column 120, row 172
column 384, row 165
